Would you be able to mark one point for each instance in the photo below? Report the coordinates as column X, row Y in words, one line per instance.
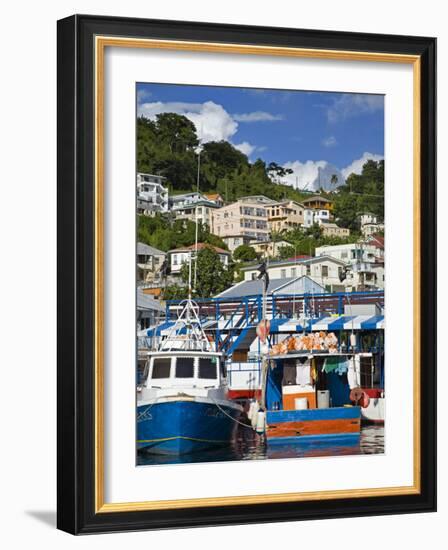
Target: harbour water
column 249, row 446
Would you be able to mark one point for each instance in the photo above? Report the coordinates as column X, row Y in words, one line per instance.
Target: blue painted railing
column 279, row 305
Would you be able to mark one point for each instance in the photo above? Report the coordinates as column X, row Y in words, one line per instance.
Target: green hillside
column 167, row 146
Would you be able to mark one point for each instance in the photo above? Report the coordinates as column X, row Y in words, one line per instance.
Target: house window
column 308, row 270
column 325, row 271
column 283, row 273
column 174, row 259
column 293, row 272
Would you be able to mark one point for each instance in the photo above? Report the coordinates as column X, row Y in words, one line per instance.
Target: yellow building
column 285, row 216
column 333, row 230
column 317, row 202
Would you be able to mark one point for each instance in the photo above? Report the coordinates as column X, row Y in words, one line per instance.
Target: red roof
column 377, row 240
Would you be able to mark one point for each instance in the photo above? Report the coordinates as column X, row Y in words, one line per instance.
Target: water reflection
column 250, row 446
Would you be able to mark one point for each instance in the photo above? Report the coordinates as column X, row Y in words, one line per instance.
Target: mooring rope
column 230, row 416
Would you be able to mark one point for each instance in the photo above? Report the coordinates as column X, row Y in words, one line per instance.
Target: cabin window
column 184, row 367
column 207, row 369
column 161, row 368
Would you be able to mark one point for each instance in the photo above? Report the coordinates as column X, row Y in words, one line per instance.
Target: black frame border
column 76, row 263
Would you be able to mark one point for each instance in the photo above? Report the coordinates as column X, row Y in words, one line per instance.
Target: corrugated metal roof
column 288, row 285
column 143, row 248
column 305, row 260
column 148, row 302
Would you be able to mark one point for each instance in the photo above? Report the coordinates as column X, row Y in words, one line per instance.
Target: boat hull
column 311, row 424
column 185, row 426
column 375, row 412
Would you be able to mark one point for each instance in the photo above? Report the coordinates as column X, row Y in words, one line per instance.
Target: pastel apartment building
column 247, row 217
column 285, row 216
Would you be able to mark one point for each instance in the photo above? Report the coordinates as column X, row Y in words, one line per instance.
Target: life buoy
column 365, row 400
column 356, row 395
column 360, row 397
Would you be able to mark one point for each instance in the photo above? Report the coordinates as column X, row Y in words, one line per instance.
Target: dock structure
column 233, row 321
column 357, row 319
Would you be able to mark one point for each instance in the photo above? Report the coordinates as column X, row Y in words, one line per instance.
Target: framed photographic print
column 246, row 274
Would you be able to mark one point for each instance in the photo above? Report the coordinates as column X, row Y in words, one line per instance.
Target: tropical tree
column 244, row 253
column 212, row 276
column 277, row 172
column 175, row 292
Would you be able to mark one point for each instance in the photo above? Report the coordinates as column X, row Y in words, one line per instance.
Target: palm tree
column 334, row 180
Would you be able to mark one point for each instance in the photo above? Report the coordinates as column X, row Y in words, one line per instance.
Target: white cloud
column 245, row 147
column 349, row 105
column 256, row 116
column 356, row 166
column 313, row 175
column 304, row 173
column 212, row 121
column 329, row 141
column 143, row 95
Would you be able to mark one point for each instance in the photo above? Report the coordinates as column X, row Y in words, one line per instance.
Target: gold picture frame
column 98, row 34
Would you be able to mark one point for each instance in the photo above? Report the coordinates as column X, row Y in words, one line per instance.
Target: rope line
column 230, row 416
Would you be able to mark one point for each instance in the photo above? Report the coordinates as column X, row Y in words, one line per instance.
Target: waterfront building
column 246, row 217
column 291, row 286
column 365, row 276
column 149, row 310
column 324, row 270
column 149, row 261
column 365, row 263
column 152, row 195
column 179, row 256
column 349, row 253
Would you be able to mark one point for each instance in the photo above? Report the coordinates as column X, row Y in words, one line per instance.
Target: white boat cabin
column 191, row 373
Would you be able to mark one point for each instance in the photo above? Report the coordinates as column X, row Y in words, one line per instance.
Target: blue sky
column 301, row 130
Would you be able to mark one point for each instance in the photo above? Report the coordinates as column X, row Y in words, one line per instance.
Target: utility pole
column 198, row 151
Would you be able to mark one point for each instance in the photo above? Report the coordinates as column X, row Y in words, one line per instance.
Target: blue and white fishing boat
column 182, row 400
